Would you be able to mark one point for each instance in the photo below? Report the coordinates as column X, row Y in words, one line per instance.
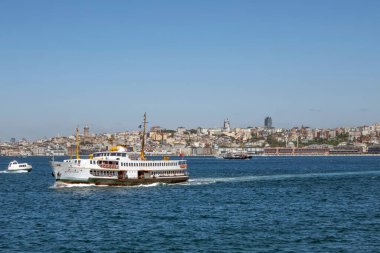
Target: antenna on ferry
column 142, row 153
column 77, row 143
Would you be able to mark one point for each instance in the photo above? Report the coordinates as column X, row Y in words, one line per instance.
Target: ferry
column 236, row 156
column 14, row 166
column 117, row 167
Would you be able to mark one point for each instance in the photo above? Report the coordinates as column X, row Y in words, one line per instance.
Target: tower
column 268, row 122
column 86, row 131
column 226, row 125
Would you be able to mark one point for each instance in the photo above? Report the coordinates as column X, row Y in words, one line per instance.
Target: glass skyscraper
column 268, row 122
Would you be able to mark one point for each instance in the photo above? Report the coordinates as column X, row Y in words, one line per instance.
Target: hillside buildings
column 266, row 140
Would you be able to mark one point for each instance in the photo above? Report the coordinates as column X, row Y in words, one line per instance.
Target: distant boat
column 15, row 166
column 236, row 156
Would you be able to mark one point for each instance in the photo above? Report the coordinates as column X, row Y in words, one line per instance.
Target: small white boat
column 15, row 166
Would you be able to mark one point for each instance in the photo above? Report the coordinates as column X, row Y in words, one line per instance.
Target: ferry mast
column 77, row 144
column 142, row 153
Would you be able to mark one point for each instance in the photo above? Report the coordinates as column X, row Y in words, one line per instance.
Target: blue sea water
column 267, row 204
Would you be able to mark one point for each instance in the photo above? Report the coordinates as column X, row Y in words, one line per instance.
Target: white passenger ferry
column 116, row 167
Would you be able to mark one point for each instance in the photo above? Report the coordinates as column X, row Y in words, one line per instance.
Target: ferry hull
column 125, row 182
column 18, row 170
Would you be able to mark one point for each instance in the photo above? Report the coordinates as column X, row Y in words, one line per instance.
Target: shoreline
column 214, row 156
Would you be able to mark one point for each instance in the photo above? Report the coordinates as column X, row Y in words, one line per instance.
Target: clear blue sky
column 186, row 63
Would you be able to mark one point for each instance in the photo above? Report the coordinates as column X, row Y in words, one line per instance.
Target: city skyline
column 225, row 126
column 186, row 64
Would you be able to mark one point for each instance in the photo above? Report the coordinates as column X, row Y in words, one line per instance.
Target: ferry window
column 124, row 155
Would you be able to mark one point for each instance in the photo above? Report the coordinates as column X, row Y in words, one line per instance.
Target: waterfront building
column 375, row 149
column 297, row 151
column 346, row 150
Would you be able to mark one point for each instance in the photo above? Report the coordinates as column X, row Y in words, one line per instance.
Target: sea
column 266, row 204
